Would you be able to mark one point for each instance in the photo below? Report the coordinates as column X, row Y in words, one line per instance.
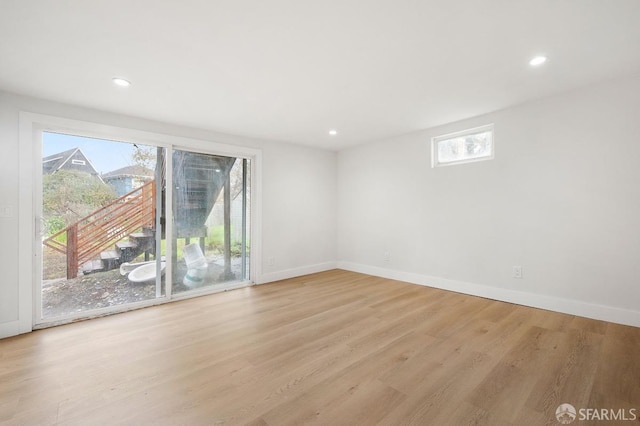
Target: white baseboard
column 551, row 303
column 295, row 272
column 12, row 328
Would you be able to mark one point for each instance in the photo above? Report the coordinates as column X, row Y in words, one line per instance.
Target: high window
column 463, row 147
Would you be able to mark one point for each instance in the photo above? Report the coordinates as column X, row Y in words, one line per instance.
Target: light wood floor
column 331, row 348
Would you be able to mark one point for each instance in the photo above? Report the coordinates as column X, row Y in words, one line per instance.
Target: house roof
column 53, row 162
column 135, row 170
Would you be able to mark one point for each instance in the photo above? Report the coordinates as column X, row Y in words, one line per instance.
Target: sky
column 105, row 155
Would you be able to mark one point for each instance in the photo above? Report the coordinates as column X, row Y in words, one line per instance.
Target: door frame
column 30, row 202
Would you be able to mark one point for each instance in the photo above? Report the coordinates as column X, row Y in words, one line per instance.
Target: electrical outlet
column 387, row 255
column 271, row 261
column 517, row 272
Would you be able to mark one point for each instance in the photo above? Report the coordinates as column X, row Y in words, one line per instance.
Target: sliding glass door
column 126, row 224
column 99, row 245
column 211, row 220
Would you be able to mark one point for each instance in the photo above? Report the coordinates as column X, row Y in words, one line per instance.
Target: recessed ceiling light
column 333, row 132
column 538, row 60
column 121, row 82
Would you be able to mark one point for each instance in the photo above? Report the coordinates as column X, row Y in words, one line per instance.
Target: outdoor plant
column 69, row 195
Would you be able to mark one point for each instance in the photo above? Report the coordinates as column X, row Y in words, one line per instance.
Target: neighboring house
column 128, row 178
column 72, row 159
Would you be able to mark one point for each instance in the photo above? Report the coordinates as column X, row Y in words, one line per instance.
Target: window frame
column 475, row 130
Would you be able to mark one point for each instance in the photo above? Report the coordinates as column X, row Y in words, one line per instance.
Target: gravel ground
column 93, row 291
column 102, row 289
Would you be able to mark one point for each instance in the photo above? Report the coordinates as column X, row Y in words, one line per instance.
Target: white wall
column 299, row 199
column 8, row 225
column 298, row 196
column 561, row 199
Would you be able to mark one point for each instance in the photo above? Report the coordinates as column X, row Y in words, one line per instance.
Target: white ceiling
column 293, row 69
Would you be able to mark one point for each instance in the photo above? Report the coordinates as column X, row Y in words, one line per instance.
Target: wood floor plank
column 617, row 379
column 329, row 397
column 568, row 373
column 441, row 390
column 333, row 348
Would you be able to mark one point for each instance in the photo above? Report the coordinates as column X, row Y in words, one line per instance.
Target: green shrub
column 54, row 224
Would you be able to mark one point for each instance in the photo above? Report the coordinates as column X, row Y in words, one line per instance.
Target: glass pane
column 210, row 208
column 100, row 200
column 465, row 147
